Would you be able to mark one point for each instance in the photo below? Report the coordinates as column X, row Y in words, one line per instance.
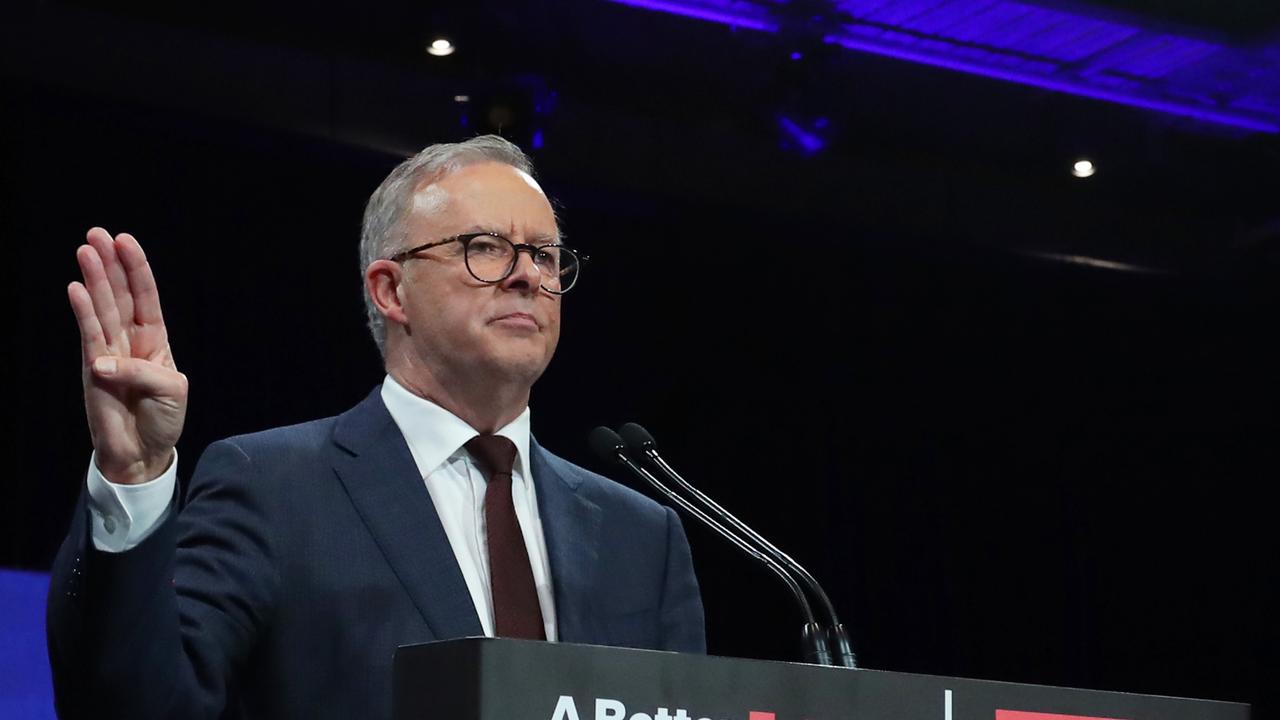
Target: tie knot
column 494, row 454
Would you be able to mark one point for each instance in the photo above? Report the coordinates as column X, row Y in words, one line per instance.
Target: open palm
column 135, row 398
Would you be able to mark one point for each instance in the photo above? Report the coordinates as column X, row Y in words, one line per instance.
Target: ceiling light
column 1083, row 169
column 440, row 47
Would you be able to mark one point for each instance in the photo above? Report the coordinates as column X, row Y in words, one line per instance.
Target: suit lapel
column 380, row 476
column 571, row 526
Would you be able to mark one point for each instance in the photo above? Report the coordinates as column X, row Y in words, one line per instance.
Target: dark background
column 1001, row 463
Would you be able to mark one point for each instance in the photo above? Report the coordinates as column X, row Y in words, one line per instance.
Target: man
column 301, row 557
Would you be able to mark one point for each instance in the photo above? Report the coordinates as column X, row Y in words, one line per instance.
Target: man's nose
column 525, row 275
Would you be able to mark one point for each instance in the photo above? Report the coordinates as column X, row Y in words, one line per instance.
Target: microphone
column 642, row 444
column 610, row 448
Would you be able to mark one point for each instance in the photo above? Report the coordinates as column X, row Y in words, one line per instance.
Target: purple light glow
column 702, row 12
column 807, row 141
column 1072, row 87
column 26, row 690
column 536, row 142
column 1059, row 50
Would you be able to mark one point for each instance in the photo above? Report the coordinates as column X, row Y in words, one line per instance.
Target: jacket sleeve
column 681, row 614
column 161, row 629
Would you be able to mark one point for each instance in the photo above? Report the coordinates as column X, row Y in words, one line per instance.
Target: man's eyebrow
column 544, row 238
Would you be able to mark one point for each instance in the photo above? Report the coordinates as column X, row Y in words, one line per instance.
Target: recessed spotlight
column 1083, row 169
column 440, row 47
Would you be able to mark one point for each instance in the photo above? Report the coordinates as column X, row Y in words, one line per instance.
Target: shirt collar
column 434, row 434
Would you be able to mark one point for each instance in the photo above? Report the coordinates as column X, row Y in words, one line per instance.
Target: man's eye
column 486, row 246
column 547, row 258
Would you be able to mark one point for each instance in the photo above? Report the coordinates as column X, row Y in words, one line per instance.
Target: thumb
column 141, row 376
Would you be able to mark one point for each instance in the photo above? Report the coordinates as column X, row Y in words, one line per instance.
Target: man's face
column 458, row 326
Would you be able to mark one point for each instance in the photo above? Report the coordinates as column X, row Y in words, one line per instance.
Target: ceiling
column 1238, row 20
column 875, row 121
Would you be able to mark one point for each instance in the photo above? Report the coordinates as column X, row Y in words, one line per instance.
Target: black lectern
column 490, row 679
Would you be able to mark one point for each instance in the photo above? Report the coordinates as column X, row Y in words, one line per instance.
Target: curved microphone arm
column 642, row 443
column 612, row 448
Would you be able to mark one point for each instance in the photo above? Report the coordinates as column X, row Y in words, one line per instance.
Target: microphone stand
column 640, row 442
column 610, row 447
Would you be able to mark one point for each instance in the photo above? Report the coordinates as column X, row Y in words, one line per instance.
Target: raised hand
column 134, row 396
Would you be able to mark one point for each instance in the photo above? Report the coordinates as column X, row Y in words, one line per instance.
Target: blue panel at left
column 25, row 688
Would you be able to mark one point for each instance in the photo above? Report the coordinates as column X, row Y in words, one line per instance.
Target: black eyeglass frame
column 466, row 239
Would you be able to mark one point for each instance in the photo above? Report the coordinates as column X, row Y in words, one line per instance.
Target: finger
column 92, row 342
column 97, row 232
column 115, row 274
column 143, row 376
column 142, row 283
column 95, row 281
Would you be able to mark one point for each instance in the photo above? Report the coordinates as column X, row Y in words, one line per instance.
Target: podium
column 497, row 679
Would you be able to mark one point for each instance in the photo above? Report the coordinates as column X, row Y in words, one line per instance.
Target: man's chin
column 517, row 367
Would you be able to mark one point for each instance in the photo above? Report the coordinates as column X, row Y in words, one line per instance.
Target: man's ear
column 383, row 280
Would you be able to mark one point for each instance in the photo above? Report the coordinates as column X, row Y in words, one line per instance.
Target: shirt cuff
column 121, row 516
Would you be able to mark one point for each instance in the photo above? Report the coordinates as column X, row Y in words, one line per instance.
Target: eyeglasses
column 491, row 258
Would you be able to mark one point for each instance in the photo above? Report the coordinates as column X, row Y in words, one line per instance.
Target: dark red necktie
column 516, row 612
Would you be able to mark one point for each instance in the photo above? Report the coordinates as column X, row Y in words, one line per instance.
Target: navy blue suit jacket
column 303, row 556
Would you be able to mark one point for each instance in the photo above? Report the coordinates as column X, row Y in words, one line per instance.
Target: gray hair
column 384, row 215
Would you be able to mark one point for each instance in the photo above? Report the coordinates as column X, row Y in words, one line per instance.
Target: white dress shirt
column 125, row 515
column 121, row 516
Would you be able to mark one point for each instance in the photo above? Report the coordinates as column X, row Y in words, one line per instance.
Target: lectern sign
column 1020, row 715
column 608, row 709
column 488, row 679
